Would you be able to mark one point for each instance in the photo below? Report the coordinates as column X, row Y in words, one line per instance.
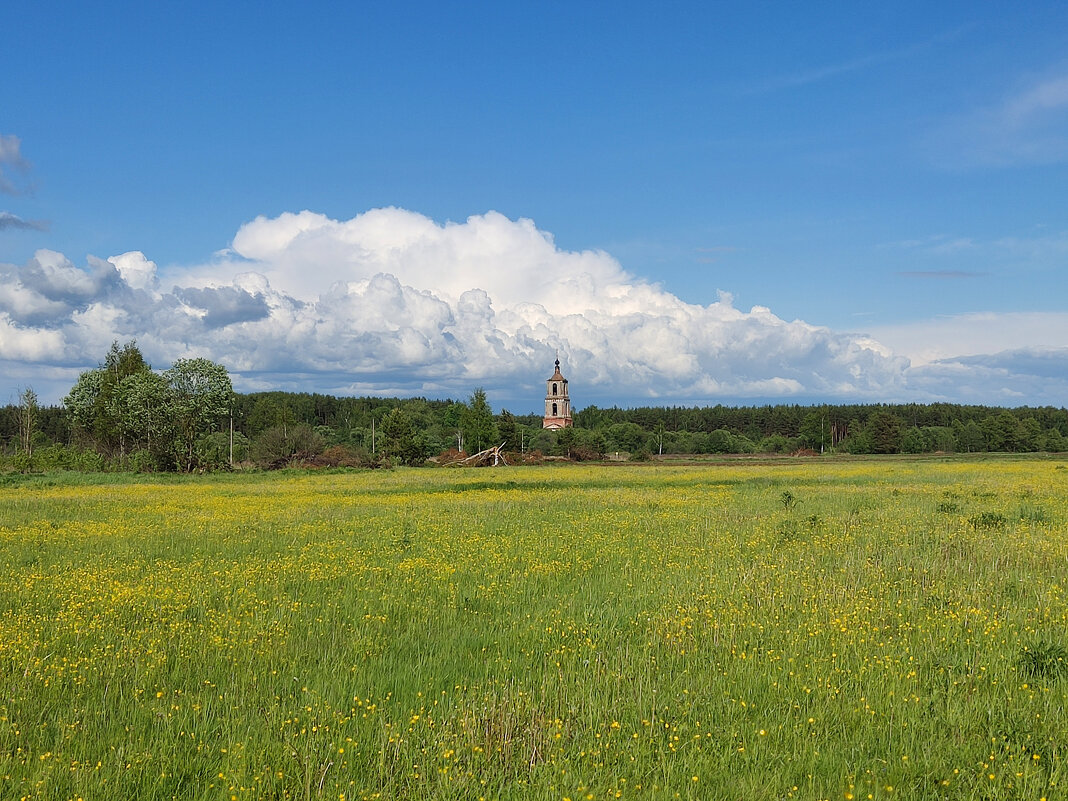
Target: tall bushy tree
column 509, row 433
column 123, row 406
column 142, row 408
column 200, row 396
column 400, row 438
column 27, row 414
column 885, row 430
column 95, row 404
column 479, row 428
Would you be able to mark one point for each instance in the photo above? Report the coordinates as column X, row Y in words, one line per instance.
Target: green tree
column 1000, row 431
column 280, row 446
column 199, row 396
column 140, row 405
column 1029, row 435
column 970, row 437
column 1056, row 442
column 720, row 441
column 565, row 440
column 885, row 430
column 626, row 437
column 814, row 432
column 93, row 403
column 270, row 409
column 658, row 437
column 27, row 414
column 859, row 439
column 400, row 438
column 506, row 428
column 913, row 441
column 452, row 423
column 476, row 420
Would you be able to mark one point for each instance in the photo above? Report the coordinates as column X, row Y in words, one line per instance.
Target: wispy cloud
column 975, row 334
column 11, row 160
column 10, row 221
column 1024, row 109
column 1029, row 126
column 823, row 72
column 941, row 274
column 1047, row 248
column 1017, row 377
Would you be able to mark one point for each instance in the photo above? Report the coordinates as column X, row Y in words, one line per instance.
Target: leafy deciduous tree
column 200, row 395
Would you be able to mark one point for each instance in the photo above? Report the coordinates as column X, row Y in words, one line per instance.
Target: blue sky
column 692, row 202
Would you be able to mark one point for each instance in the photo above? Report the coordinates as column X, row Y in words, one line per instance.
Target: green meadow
column 803, row 628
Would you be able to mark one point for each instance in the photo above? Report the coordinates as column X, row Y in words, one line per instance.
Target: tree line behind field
column 125, row 415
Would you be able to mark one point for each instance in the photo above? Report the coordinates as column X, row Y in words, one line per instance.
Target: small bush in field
column 987, row 520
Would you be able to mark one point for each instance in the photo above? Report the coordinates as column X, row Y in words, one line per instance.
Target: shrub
column 987, row 520
column 584, row 453
column 285, row 446
column 1043, row 660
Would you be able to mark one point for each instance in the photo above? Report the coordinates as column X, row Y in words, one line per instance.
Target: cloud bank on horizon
column 392, row 303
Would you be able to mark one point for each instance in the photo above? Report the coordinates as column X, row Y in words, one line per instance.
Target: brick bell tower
column 557, row 403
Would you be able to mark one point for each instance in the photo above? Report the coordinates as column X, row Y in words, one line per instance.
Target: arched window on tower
column 554, row 410
column 554, row 389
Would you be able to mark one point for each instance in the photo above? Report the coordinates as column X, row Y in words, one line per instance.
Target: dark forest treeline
column 853, row 428
column 278, row 428
column 124, row 415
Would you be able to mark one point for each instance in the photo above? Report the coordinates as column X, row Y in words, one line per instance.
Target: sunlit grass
column 898, row 628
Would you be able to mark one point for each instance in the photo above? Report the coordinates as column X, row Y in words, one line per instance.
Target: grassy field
column 801, row 629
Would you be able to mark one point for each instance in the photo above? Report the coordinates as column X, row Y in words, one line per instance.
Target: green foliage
column 283, row 446
column 401, row 440
column 970, row 437
column 776, row 443
column 1001, row 432
column 721, row 441
column 1055, row 441
column 859, row 442
column 117, row 410
column 213, row 450
column 885, row 430
column 29, row 409
column 508, row 430
column 143, row 411
column 97, row 404
column 1043, row 660
column 199, row 395
column 815, row 431
column 987, row 520
column 628, row 437
column 565, row 440
column 913, row 441
column 640, row 455
column 477, row 423
column 124, row 407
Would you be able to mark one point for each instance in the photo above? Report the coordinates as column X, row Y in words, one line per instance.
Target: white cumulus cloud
column 394, row 302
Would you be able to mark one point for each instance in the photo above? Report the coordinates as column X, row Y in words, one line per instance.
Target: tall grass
column 553, row 632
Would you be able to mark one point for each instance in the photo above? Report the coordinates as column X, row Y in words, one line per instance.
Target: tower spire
column 557, row 402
